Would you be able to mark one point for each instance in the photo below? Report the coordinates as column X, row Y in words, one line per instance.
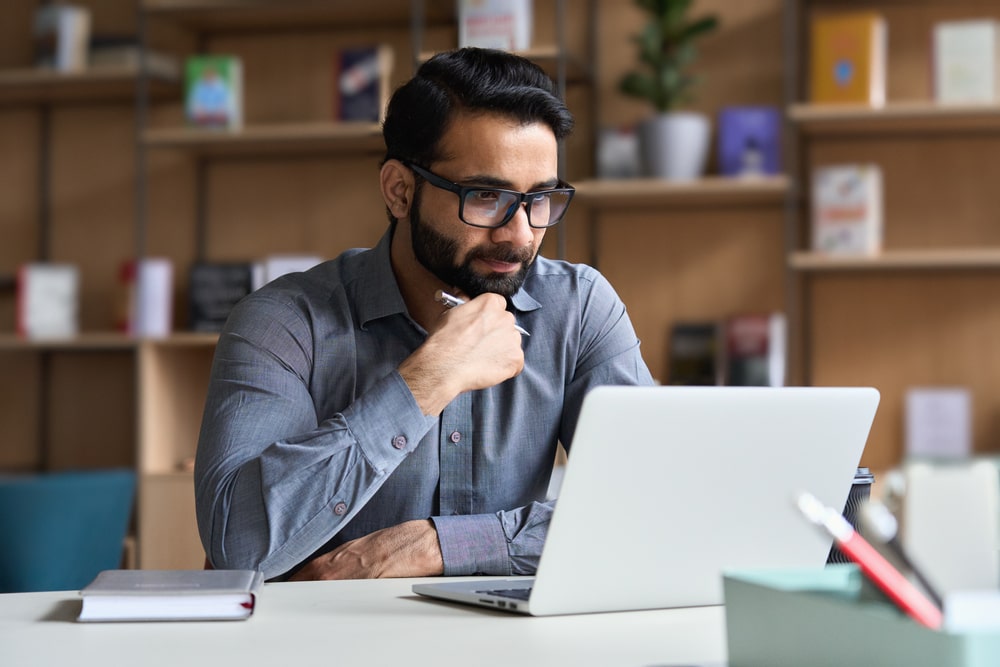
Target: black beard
column 439, row 255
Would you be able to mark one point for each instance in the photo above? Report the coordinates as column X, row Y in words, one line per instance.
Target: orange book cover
column 847, row 59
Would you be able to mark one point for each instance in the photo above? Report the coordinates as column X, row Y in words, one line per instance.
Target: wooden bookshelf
column 921, row 312
column 249, row 15
column 901, row 260
column 710, row 191
column 547, row 57
column 97, row 341
column 270, row 139
column 35, row 85
column 895, row 117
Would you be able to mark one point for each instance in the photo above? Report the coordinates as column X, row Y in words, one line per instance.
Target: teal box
column 832, row 616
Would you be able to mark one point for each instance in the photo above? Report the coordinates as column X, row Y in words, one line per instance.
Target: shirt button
column 340, row 509
column 456, row 437
column 399, row 441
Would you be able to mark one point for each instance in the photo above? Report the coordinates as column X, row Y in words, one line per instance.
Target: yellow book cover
column 847, row 59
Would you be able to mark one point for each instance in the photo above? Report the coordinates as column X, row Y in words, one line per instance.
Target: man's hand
column 475, row 346
column 410, row 549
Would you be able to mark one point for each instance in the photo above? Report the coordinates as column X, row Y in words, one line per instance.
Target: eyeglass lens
column 489, row 208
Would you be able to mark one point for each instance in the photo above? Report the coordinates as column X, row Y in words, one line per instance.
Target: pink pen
column 873, row 565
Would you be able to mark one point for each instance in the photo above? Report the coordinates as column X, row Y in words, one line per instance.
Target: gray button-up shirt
column 311, row 438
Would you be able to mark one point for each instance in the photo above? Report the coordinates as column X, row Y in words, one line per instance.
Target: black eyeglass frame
column 462, row 190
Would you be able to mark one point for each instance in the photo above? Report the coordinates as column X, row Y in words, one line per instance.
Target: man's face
column 490, row 151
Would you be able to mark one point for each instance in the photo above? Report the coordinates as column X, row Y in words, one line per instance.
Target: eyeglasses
column 494, row 207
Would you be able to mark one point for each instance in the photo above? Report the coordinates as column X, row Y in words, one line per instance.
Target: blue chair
column 59, row 529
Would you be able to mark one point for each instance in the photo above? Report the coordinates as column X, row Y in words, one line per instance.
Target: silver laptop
column 666, row 487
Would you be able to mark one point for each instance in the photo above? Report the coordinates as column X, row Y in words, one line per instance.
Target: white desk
column 347, row 623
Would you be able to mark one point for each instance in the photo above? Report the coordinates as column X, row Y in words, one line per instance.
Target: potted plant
column 673, row 143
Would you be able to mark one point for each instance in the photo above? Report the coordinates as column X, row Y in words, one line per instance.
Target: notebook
column 667, row 487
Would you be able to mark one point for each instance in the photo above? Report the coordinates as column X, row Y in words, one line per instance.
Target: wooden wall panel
column 319, row 205
column 93, row 210
column 20, row 392
column 939, row 190
column 19, row 164
column 168, row 530
column 691, row 264
column 895, row 331
column 173, row 387
column 91, row 410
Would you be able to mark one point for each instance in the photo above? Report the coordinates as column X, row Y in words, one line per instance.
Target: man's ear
column 396, row 181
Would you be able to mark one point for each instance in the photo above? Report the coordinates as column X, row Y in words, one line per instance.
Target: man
column 355, row 426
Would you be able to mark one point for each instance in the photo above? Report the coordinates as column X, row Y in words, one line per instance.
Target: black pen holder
column 860, row 492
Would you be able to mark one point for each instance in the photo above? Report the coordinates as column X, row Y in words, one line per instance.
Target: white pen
column 451, row 301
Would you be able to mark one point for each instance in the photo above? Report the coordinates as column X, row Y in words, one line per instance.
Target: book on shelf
column 749, row 141
column 847, row 54
column 112, row 51
column 966, row 61
column 48, row 300
column 213, row 91
column 938, row 423
column 214, row 288
column 170, row 595
column 147, row 305
column 755, row 349
column 61, row 34
column 695, row 354
column 275, row 266
column 847, row 209
column 618, row 152
column 495, row 24
column 362, row 82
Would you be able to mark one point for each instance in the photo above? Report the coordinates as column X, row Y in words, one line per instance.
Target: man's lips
column 497, row 266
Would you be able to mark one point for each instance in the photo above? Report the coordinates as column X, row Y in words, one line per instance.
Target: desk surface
column 347, row 623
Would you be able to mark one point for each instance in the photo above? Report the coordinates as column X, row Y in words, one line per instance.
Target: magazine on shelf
column 755, row 349
column 695, row 354
column 62, row 34
column 48, row 300
column 848, row 58
column 749, row 141
column 847, row 209
column 214, row 289
column 147, row 297
column 213, row 91
column 967, row 61
column 495, row 24
column 362, row 82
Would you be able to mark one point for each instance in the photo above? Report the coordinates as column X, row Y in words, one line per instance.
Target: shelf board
column 323, row 137
column 185, row 339
column 34, row 85
column 712, row 190
column 167, row 476
column 85, row 342
column 222, row 15
column 896, row 117
column 546, row 57
column 890, row 260
column 110, row 341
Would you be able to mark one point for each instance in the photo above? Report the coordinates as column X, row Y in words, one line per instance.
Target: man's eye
column 486, row 195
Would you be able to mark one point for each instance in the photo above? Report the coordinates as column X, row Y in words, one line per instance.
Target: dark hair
column 468, row 79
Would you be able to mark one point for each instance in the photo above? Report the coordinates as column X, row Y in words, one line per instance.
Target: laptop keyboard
column 513, row 593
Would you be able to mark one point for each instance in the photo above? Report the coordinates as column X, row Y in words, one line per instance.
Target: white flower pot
column 674, row 146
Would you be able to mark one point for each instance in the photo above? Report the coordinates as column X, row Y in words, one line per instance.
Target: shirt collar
column 381, row 296
column 377, row 293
